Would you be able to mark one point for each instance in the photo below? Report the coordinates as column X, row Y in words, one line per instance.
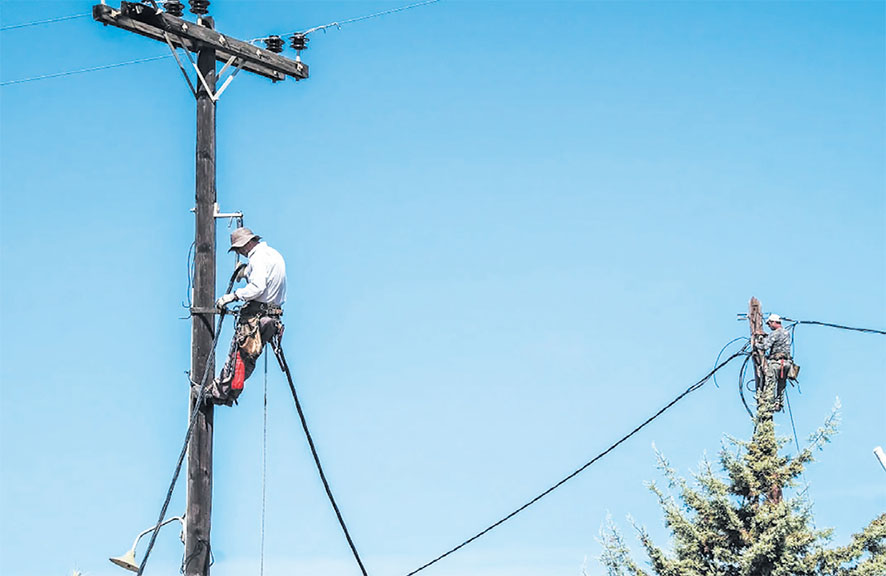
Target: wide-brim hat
column 240, row 237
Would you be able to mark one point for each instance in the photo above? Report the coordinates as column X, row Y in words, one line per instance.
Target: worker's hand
column 240, row 271
column 225, row 300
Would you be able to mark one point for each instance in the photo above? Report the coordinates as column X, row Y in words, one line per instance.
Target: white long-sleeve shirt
column 265, row 276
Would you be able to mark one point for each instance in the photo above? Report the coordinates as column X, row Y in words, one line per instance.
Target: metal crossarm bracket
column 146, row 21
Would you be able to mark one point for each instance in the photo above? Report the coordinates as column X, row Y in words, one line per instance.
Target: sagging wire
column 191, row 265
column 838, row 326
column 742, row 317
column 196, row 407
column 742, row 384
column 341, row 23
column 84, row 70
column 47, row 21
column 717, row 361
column 612, row 447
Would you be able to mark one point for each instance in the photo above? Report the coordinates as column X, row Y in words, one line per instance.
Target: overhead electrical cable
column 838, row 326
column 727, row 345
column 48, row 21
column 278, row 350
column 688, row 391
column 341, row 23
column 195, row 410
column 84, row 70
column 338, row 24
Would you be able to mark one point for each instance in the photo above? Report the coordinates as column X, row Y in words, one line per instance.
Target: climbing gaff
column 127, row 560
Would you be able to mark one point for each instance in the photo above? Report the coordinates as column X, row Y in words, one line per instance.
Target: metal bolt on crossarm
column 274, row 44
column 174, row 8
column 199, row 7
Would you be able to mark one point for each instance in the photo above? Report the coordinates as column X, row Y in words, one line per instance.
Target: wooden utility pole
column 199, row 499
column 210, row 46
column 755, row 319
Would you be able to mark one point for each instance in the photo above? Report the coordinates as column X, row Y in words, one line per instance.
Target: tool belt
column 251, row 309
column 787, row 369
column 253, row 317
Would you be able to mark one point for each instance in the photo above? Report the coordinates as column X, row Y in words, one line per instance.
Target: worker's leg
column 767, row 400
column 782, row 375
column 255, row 333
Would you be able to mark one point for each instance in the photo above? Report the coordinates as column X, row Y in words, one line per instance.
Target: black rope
column 278, row 350
column 688, row 391
column 181, row 457
column 839, row 326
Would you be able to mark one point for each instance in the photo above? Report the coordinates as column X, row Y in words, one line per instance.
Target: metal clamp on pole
column 238, row 216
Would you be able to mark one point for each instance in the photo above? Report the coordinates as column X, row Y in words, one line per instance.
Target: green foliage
column 743, row 524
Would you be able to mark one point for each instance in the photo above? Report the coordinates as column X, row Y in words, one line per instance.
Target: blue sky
column 513, row 231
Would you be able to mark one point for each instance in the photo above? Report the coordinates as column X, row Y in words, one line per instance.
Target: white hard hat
column 774, row 318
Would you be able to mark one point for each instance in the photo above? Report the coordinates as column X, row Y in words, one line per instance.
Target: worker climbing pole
column 773, row 361
column 258, row 319
column 200, row 38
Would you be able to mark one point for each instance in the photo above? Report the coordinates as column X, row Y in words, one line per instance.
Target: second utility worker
column 777, row 348
column 259, row 320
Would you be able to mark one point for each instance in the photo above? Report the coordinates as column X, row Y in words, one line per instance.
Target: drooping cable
column 688, row 391
column 727, row 345
column 741, row 386
column 47, row 21
column 341, row 23
column 84, row 70
column 838, row 326
column 278, row 351
column 195, row 410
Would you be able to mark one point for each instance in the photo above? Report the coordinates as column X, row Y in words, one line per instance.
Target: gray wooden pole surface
column 199, row 497
column 755, row 319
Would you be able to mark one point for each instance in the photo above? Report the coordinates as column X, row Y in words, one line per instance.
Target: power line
column 84, row 70
column 48, row 21
column 141, row 60
column 688, row 391
column 278, row 350
column 352, row 20
column 838, row 326
column 728, row 344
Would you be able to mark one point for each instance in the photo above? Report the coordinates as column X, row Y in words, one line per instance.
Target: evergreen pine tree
column 745, row 524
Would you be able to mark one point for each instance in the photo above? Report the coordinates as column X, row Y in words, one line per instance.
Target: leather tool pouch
column 249, row 338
